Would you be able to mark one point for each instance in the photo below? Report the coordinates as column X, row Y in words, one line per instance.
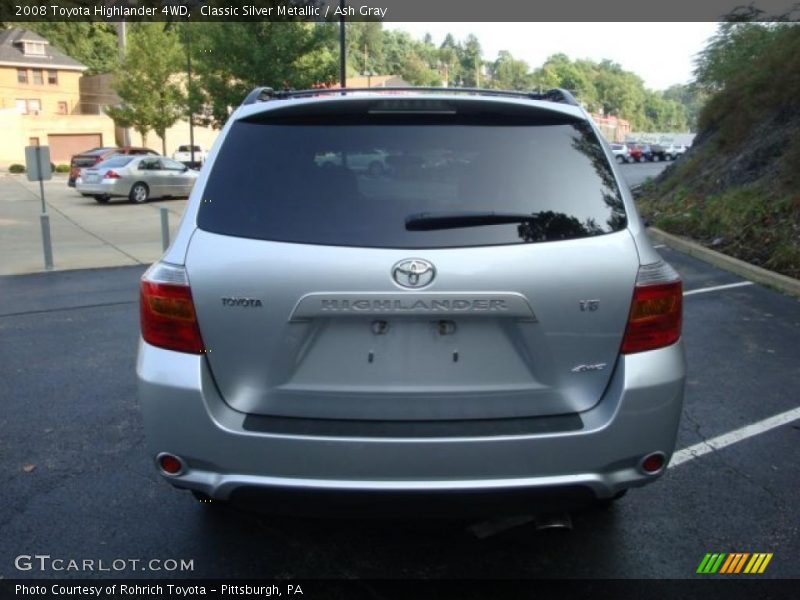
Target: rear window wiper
column 455, row 220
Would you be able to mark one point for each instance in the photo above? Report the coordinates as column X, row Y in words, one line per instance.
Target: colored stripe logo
column 734, row 562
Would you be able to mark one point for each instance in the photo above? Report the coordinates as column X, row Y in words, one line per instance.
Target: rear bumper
column 106, row 187
column 185, row 416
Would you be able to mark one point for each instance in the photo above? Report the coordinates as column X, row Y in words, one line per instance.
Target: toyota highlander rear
column 482, row 312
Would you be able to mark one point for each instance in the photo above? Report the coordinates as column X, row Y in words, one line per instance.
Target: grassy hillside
column 738, row 189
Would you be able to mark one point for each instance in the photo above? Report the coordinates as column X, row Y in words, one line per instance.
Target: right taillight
column 656, row 309
column 168, row 318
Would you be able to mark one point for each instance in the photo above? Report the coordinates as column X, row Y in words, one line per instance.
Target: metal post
column 189, row 88
column 164, row 228
column 122, row 39
column 48, row 247
column 342, row 48
column 44, row 217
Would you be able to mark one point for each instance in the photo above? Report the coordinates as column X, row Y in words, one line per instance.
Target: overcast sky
column 660, row 53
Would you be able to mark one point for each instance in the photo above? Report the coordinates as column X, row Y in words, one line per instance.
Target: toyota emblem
column 413, row 273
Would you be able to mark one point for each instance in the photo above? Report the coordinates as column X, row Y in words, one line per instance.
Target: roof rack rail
column 262, row 94
column 557, row 95
column 259, row 94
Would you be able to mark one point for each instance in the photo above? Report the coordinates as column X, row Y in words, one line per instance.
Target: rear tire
column 139, row 193
column 620, row 160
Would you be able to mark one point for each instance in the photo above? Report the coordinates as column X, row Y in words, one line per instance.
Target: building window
column 37, row 76
column 36, row 48
column 62, row 108
column 31, row 106
column 22, row 75
column 52, row 77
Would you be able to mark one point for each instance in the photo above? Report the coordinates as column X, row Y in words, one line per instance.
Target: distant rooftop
column 26, row 48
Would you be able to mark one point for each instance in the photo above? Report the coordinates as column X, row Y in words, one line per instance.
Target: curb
column 783, row 283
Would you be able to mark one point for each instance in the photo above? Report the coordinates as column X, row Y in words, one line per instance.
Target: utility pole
column 121, row 44
column 342, row 48
column 189, row 91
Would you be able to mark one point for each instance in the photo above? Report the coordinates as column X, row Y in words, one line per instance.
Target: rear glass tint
column 357, row 184
column 115, row 161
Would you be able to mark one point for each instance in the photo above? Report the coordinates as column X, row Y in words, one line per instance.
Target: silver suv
column 486, row 315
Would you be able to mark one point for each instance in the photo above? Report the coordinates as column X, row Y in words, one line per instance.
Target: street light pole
column 342, row 47
column 189, row 90
column 122, row 39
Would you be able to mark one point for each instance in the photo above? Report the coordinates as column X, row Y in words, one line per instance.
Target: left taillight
column 166, row 308
column 656, row 314
column 111, row 174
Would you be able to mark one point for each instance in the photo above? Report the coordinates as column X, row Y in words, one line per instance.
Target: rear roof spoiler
column 264, row 94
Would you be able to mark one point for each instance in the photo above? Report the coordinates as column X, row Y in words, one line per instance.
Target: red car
column 636, row 152
column 91, row 157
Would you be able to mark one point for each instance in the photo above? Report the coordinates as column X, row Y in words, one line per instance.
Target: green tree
column 365, row 47
column 692, row 97
column 149, row 82
column 233, row 58
column 731, row 50
column 471, row 59
column 448, row 59
column 559, row 71
column 509, row 73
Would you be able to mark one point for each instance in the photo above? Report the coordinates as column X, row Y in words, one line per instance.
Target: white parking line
column 737, row 435
column 717, row 287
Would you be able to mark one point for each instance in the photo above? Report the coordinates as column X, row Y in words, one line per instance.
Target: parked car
column 137, row 178
column 647, row 152
column 674, row 151
column 621, row 153
column 635, row 152
column 184, row 155
column 500, row 328
column 90, row 158
column 659, row 152
column 372, row 162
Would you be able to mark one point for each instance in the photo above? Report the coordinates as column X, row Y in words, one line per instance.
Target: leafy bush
column 62, row 168
column 16, row 168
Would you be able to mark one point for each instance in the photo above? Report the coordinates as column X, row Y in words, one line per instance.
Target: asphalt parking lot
column 78, row 485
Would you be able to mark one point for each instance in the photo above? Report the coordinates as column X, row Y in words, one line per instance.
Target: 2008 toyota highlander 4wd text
column 483, row 316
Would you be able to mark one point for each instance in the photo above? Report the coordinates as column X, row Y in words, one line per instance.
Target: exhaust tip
column 169, row 464
column 653, row 463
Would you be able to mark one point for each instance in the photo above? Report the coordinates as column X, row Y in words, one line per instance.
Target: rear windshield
column 357, row 184
column 119, row 160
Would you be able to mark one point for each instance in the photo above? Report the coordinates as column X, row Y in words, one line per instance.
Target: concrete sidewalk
column 84, row 233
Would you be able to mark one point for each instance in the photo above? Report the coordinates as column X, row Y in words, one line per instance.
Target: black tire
column 101, row 199
column 140, row 193
column 656, row 158
column 620, row 159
